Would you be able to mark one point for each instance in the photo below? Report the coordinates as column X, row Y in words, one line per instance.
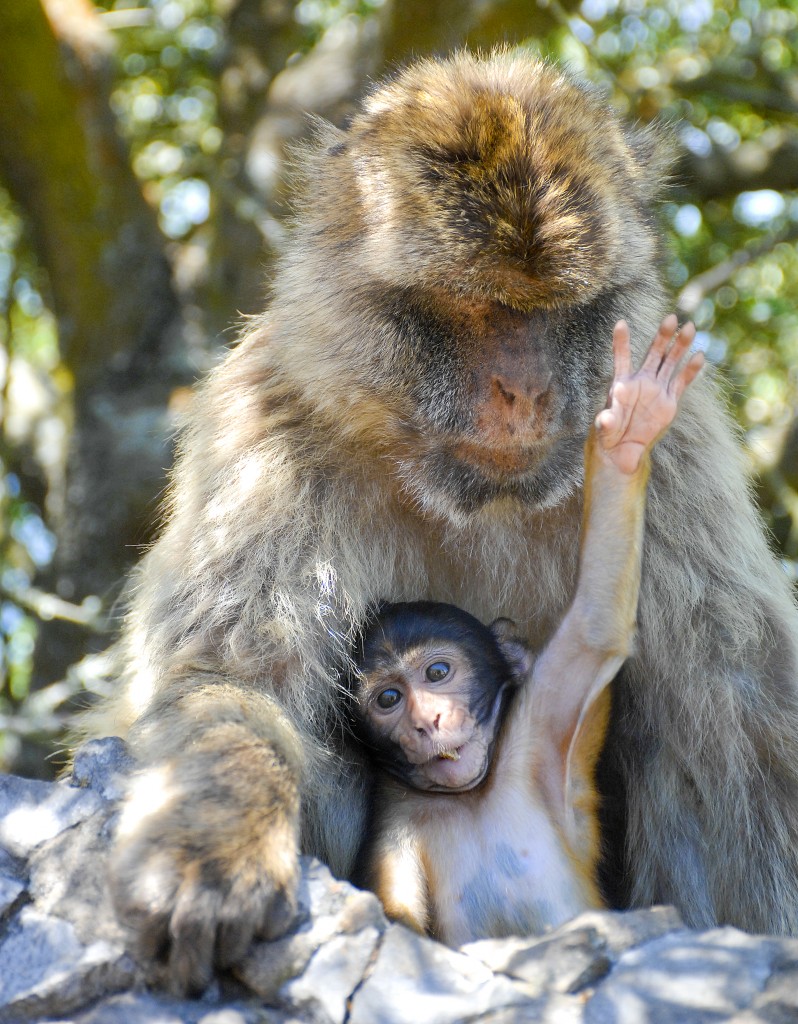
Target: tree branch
column 760, row 97
column 724, row 174
column 701, row 285
column 415, row 27
column 65, row 165
column 49, row 606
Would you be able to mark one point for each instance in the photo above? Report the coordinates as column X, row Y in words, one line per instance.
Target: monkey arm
column 394, row 865
column 236, row 628
column 597, row 632
column 204, row 860
column 602, row 616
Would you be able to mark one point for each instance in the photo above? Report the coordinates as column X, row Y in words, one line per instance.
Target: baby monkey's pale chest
column 500, row 868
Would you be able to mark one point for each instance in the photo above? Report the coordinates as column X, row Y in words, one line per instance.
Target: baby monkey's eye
column 388, row 699
column 437, row 671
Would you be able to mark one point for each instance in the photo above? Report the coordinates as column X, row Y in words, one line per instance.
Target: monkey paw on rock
column 197, row 877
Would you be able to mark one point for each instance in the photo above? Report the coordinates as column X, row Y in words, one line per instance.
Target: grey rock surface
column 31, row 812
column 150, row 1008
column 579, row 954
column 415, row 980
column 11, row 890
column 44, row 968
column 323, row 991
column 63, row 957
column 102, row 765
column 329, row 910
column 62, row 883
column 695, row 978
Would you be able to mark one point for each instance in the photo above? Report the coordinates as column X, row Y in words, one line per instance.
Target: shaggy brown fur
column 395, row 428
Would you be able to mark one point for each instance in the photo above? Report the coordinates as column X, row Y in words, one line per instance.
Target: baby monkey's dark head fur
column 430, row 689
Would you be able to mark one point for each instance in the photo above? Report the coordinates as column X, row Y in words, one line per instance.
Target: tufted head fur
column 525, row 179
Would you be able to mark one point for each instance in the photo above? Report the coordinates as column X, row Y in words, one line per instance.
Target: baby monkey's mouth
column 450, row 755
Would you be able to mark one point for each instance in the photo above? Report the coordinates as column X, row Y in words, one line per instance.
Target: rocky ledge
column 63, row 956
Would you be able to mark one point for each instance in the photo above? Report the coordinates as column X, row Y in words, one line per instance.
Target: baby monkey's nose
column 433, row 727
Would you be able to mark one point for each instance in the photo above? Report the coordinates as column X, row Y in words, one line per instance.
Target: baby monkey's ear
column 514, row 648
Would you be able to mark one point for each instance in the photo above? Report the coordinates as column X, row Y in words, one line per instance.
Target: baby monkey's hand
column 641, row 405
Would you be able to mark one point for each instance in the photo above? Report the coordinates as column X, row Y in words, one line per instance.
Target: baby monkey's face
column 429, row 713
column 429, row 692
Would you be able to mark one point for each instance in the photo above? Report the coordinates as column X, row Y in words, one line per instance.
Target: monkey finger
column 659, row 345
column 193, row 933
column 144, row 899
column 621, row 349
column 152, row 938
column 606, row 421
column 282, row 913
column 264, row 912
column 681, row 343
column 686, row 375
column 234, row 938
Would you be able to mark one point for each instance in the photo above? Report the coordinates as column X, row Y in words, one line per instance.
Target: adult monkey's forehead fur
column 503, row 179
column 406, row 423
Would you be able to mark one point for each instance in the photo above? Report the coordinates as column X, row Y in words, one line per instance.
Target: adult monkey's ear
column 514, row 648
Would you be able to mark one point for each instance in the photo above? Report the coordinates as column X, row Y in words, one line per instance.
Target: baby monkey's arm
column 640, row 408
column 597, row 632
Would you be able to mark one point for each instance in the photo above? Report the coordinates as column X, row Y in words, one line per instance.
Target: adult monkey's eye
column 388, row 699
column 437, row 671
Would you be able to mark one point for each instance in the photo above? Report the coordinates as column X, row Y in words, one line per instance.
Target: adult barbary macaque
column 484, row 825
column 406, row 422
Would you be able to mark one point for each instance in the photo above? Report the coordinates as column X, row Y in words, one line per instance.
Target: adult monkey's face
column 500, row 397
column 490, row 222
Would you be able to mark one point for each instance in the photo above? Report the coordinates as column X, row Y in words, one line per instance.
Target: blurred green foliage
column 165, row 101
column 29, row 348
column 724, row 74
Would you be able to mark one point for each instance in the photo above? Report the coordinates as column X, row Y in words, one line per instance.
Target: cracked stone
column 416, row 979
column 10, row 866
column 564, row 962
column 151, row 1008
column 626, row 929
column 13, row 882
column 10, row 891
column 31, row 812
column 45, row 969
column 688, row 978
column 322, row 993
column 579, row 953
column 778, row 1002
column 553, row 1009
column 60, row 884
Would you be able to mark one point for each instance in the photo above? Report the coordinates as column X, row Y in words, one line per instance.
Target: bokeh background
column 144, row 156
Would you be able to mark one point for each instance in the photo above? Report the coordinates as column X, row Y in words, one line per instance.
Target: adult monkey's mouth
column 499, row 462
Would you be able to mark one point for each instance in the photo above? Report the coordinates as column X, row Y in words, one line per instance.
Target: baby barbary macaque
column 485, row 825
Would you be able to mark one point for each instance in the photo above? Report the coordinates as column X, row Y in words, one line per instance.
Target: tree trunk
column 110, row 288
